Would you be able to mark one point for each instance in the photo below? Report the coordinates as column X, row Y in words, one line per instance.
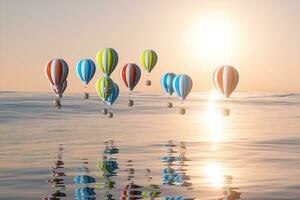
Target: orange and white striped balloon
column 226, row 79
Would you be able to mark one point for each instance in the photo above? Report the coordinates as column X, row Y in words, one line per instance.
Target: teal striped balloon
column 182, row 85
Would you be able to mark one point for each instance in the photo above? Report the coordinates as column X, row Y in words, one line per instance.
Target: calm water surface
column 149, row 151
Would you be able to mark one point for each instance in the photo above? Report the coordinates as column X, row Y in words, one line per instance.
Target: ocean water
column 245, row 147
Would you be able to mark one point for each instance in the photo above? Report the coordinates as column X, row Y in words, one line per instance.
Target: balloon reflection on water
column 150, row 190
column 84, row 189
column 107, row 169
column 176, row 177
column 131, row 191
column 107, row 166
column 58, row 174
column 175, row 172
column 228, row 192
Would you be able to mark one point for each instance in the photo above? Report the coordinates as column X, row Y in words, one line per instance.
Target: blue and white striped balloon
column 113, row 95
column 85, row 70
column 182, row 85
column 167, row 82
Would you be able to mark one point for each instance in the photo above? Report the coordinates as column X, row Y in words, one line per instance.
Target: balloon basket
column 182, row 111
column 169, row 105
column 110, row 115
column 130, row 102
column 104, row 111
column 86, row 95
column 57, row 103
column 148, row 82
column 226, row 112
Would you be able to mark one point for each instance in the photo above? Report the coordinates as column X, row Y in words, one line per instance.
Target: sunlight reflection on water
column 150, row 151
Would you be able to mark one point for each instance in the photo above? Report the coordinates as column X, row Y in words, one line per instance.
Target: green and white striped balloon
column 107, row 60
column 149, row 60
column 104, row 87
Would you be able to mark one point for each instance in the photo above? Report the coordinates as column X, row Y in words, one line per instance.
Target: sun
column 213, row 37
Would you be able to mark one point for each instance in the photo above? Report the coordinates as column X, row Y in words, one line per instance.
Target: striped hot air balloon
column 130, row 74
column 104, row 87
column 107, row 60
column 113, row 95
column 226, row 79
column 61, row 89
column 182, row 85
column 85, row 70
column 56, row 71
column 167, row 82
column 149, row 60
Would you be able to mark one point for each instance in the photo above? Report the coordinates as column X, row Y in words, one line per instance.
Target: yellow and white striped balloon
column 226, row 79
column 104, row 87
column 107, row 60
column 149, row 60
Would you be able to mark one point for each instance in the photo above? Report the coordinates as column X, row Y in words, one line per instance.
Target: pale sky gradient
column 261, row 38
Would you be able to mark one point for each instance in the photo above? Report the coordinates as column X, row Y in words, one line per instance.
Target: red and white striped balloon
column 226, row 79
column 130, row 74
column 56, row 71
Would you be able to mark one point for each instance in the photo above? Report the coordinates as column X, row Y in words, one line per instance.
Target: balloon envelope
column 149, row 60
column 113, row 95
column 104, row 87
column 130, row 74
column 85, row 70
column 182, row 85
column 107, row 60
column 167, row 82
column 226, row 79
column 56, row 71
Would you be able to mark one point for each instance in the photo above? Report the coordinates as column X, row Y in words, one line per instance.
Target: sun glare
column 213, row 36
column 215, row 174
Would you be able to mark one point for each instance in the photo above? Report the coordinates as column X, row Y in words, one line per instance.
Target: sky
column 261, row 39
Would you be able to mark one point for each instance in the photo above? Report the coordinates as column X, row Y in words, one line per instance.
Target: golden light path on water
column 214, row 132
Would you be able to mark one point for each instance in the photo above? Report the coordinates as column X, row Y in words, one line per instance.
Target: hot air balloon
column 85, row 71
column 226, row 79
column 167, row 81
column 182, row 85
column 56, row 71
column 113, row 95
column 167, row 85
column 104, row 87
column 107, row 60
column 111, row 99
column 130, row 74
column 61, row 89
column 149, row 60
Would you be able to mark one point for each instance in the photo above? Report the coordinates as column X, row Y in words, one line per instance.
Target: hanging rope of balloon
column 182, row 85
column 57, row 72
column 130, row 75
column 149, row 60
column 85, row 70
column 167, row 85
column 107, row 89
column 226, row 79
